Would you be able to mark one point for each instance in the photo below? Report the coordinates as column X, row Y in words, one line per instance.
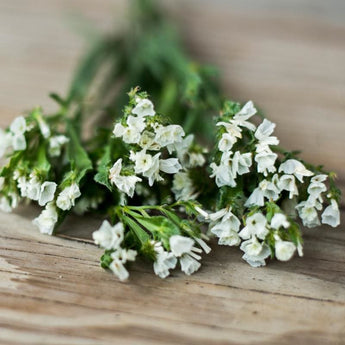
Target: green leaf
column 78, row 157
column 102, row 175
column 106, row 259
column 138, row 231
column 159, row 224
column 43, row 164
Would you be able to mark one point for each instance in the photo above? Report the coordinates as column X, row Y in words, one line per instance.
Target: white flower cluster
column 110, row 238
column 34, row 188
column 15, row 137
column 181, row 248
column 276, row 183
column 145, row 135
column 47, row 220
column 308, row 209
column 227, row 227
column 232, row 163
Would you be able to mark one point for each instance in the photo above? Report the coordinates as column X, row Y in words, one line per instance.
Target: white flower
column 169, row 135
column 183, row 248
column 142, row 160
column 183, row 187
column 255, row 225
column 265, row 161
column 233, row 130
column 47, row 193
column 55, row 145
column 266, row 189
column 18, row 142
column 223, row 174
column 189, row 264
column 125, row 184
column 33, row 188
column 44, row 128
column 287, row 182
column 170, row 165
column 319, row 178
column 131, row 135
column 241, row 163
column 307, row 211
column 137, row 123
column 23, row 186
column 164, row 262
column 120, row 257
column 317, row 187
column 119, row 129
column 219, row 214
column 66, row 199
column 284, row 250
column 147, row 141
column 119, row 269
column 47, row 219
column 244, row 114
column 226, row 142
column 5, row 205
column 153, row 173
column 227, row 229
column 2, row 182
column 279, row 220
column 255, row 252
column 5, row 142
column 202, row 213
column 143, row 108
column 109, row 237
column 18, row 126
column 294, row 167
column 124, row 255
column 331, row 215
column 256, row 198
column 263, row 133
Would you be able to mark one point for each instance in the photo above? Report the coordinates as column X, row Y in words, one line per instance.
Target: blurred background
column 287, row 56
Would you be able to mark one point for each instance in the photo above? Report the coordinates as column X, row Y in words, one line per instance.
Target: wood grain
column 53, row 291
column 286, row 56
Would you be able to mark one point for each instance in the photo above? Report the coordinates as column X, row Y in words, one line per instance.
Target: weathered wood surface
column 287, row 56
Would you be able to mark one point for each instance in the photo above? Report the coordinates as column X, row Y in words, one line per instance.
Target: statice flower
column 144, row 108
column 56, row 143
column 255, row 252
column 125, row 184
column 109, row 237
column 17, row 129
column 165, row 261
column 331, row 215
column 184, row 249
column 256, row 225
column 294, row 167
column 227, row 228
column 66, row 199
column 47, row 220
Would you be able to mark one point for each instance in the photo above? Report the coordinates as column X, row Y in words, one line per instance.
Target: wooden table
column 289, row 58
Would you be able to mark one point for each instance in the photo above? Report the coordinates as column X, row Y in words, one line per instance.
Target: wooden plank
column 53, row 290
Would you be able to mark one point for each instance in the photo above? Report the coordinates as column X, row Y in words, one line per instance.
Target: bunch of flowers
column 163, row 195
column 162, row 191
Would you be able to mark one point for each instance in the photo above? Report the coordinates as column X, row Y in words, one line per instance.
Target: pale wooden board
column 52, row 291
column 286, row 56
